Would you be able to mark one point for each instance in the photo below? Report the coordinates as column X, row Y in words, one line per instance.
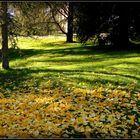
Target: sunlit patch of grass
column 72, row 64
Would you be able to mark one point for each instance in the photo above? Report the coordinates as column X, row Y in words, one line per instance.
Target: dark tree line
column 120, row 20
column 87, row 19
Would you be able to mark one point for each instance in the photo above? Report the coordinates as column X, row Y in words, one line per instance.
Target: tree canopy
column 110, row 23
column 120, row 20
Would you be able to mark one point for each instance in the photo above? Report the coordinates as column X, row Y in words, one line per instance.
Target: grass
column 70, row 65
column 68, row 90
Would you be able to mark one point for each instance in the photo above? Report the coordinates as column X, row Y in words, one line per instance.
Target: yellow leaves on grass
column 100, row 113
column 132, row 119
column 44, row 99
column 138, row 96
column 24, row 134
column 1, row 95
column 87, row 134
column 3, row 132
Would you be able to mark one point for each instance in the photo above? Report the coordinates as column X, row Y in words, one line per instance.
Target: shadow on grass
column 15, row 79
column 107, row 51
column 68, row 50
column 131, row 47
column 21, row 80
column 12, row 79
column 56, row 44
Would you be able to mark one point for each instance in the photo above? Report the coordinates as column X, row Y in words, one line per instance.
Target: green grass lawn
column 57, row 89
column 70, row 65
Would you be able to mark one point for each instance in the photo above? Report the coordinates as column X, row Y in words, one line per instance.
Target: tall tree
column 70, row 23
column 121, row 39
column 134, row 30
column 123, row 27
column 4, row 31
column 31, row 18
column 91, row 19
column 64, row 9
column 113, row 18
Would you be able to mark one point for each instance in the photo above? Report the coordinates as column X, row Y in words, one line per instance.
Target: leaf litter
column 81, row 113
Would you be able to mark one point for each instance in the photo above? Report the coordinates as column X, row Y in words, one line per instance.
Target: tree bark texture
column 4, row 30
column 70, row 23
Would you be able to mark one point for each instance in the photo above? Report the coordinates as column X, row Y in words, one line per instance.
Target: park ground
column 57, row 89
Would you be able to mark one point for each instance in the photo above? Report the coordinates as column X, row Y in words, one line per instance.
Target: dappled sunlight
column 35, row 43
column 60, row 56
column 44, row 100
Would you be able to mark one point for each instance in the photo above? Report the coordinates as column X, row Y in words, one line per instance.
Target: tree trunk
column 4, row 30
column 70, row 23
column 121, row 37
column 123, row 26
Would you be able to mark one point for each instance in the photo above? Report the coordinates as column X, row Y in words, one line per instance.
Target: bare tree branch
column 56, row 22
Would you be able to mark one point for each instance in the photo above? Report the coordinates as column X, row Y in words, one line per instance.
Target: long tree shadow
column 16, row 79
column 21, row 80
column 26, row 53
column 13, row 79
column 67, row 50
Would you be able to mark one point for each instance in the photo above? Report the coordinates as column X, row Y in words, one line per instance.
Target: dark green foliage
column 119, row 20
column 91, row 19
column 134, row 31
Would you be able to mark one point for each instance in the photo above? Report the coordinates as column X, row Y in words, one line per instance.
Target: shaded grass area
column 70, row 65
